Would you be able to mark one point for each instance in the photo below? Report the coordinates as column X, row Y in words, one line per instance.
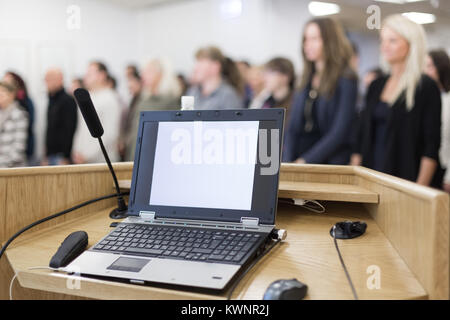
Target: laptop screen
column 208, row 169
column 207, row 164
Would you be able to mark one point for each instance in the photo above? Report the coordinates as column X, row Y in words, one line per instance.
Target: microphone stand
column 121, row 211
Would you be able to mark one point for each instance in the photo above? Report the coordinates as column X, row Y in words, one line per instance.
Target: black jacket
column 335, row 118
column 61, row 124
column 410, row 135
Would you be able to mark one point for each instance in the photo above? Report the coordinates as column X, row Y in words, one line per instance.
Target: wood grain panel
column 3, row 195
column 326, row 191
column 412, row 226
column 418, row 227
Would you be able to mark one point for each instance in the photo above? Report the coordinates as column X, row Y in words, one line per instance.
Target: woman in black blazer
column 319, row 128
column 399, row 129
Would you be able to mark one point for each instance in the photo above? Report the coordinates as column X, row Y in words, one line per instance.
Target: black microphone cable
column 122, row 209
column 81, row 205
column 95, row 128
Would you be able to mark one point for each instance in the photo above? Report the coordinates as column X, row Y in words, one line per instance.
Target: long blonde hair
column 414, row 34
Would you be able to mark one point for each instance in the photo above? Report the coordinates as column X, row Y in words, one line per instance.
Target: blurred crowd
column 398, row 123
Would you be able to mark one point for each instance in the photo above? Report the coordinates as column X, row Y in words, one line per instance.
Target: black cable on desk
column 230, row 293
column 343, row 264
column 18, row 233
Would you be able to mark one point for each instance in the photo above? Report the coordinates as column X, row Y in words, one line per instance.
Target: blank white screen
column 201, row 178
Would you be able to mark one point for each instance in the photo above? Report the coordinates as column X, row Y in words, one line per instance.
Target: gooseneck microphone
column 96, row 129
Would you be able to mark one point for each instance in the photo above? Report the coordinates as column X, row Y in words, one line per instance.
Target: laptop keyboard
column 225, row 246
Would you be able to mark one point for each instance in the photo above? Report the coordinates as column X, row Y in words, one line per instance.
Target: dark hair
column 183, row 82
column 229, row 70
column 378, row 72
column 337, row 53
column 133, row 71
column 283, row 66
column 245, row 63
column 19, row 83
column 355, row 48
column 101, row 67
column 442, row 63
column 112, row 80
column 80, row 81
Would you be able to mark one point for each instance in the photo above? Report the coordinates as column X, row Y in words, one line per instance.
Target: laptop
column 202, row 202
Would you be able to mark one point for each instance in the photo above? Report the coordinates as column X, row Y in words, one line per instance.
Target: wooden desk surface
column 308, row 254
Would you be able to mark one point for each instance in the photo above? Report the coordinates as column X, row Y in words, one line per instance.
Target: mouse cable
column 311, row 205
column 343, row 264
column 16, row 274
column 238, row 280
column 18, row 233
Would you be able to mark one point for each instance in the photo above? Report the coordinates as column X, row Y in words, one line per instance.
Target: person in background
column 279, row 82
column 135, row 90
column 371, row 76
column 354, row 61
column 322, row 113
column 437, row 67
column 256, row 83
column 13, row 128
column 131, row 70
column 183, row 83
column 61, row 121
column 244, row 69
column 27, row 104
column 161, row 91
column 218, row 82
column 111, row 82
column 75, row 84
column 399, row 131
column 107, row 105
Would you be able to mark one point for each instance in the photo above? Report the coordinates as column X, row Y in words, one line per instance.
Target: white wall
column 264, row 29
column 34, row 36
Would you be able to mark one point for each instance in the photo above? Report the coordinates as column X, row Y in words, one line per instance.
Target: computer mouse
column 286, row 290
column 348, row 229
column 70, row 248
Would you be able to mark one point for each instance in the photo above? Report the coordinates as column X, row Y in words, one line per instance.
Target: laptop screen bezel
column 270, row 183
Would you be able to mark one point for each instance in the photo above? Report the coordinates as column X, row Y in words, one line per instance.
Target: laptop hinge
column 250, row 221
column 147, row 215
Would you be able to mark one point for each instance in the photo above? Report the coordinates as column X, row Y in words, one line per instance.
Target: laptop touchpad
column 128, row 264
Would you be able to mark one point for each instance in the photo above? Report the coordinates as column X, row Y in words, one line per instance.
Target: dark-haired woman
column 437, row 67
column 319, row 129
column 27, row 104
column 218, row 83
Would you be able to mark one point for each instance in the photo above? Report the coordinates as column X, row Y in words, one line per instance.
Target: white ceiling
column 137, row 4
column 353, row 12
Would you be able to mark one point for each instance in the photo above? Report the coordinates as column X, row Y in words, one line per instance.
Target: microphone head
column 88, row 111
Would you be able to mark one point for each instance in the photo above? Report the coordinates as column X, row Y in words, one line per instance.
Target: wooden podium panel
column 407, row 235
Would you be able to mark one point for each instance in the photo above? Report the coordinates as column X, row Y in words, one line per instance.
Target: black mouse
column 348, row 229
column 286, row 290
column 70, row 248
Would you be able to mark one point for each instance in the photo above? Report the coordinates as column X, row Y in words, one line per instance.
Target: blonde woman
column 161, row 91
column 399, row 128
